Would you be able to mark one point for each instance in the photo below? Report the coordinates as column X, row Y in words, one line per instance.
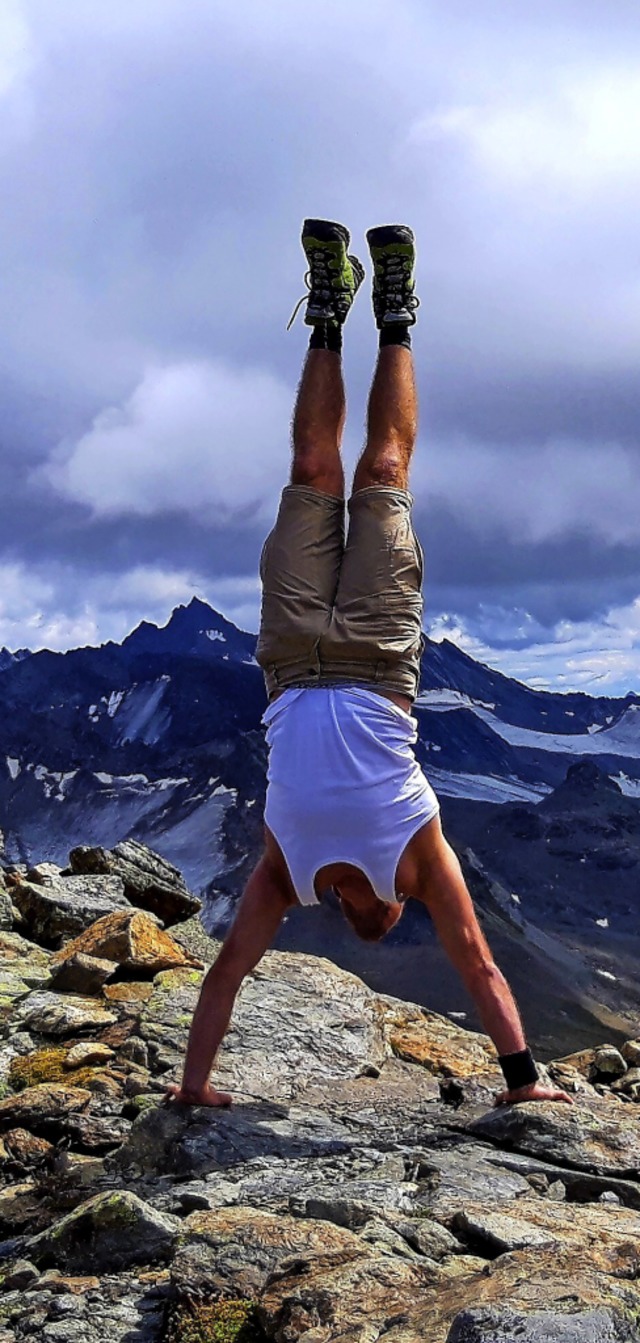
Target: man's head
column 369, row 917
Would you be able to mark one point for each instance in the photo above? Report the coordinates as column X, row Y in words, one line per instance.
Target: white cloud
column 581, row 131
column 201, row 438
column 536, row 494
column 15, row 46
column 600, row 656
column 58, row 608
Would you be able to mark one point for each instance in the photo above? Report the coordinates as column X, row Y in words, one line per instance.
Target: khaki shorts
column 336, row 611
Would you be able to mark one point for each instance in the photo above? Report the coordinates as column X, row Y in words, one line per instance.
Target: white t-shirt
column 343, row 784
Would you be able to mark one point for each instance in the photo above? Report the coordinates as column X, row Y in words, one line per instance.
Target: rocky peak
column 585, row 779
column 362, row 1182
column 195, row 628
column 7, row 658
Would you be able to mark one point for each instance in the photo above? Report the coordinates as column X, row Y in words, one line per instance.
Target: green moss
column 115, row 1211
column 167, row 981
column 46, row 1065
column 146, row 1102
column 223, row 1321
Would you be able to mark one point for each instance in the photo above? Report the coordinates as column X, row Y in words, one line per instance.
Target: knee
column 310, row 468
column 388, row 468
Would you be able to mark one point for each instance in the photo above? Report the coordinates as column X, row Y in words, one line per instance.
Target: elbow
column 482, row 972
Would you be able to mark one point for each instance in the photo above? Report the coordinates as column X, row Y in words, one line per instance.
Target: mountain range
column 159, row 739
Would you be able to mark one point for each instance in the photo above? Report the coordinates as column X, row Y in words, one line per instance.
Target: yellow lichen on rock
column 45, row 1065
column 222, row 1321
column 132, row 939
column 423, row 1037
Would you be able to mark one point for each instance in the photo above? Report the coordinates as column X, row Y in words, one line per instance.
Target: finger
column 172, row 1092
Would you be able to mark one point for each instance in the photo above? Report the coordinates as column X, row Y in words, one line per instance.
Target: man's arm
column 440, row 885
column 265, row 900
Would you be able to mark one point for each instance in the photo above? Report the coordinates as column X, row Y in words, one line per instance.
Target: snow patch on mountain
column 442, row 700
column 485, row 787
column 630, row 787
column 622, row 738
column 140, row 715
column 140, row 781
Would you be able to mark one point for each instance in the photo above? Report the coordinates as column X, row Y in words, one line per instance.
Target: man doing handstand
column 340, row 642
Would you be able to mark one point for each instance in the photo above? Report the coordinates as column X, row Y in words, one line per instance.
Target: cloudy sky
column 156, row 160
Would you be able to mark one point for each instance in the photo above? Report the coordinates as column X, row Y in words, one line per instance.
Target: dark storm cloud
column 155, row 162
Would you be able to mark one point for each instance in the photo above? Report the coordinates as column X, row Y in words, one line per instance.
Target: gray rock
column 353, row 1203
column 591, row 1136
column 55, row 1014
column 18, row 1275
column 135, row 1050
column 66, row 907
column 385, row 1239
column 108, row 1232
column 494, row 1233
column 447, row 1174
column 298, row 1022
column 492, row 1325
column 582, row 1186
column 608, row 1062
column 81, row 973
column 193, row 1140
column 427, row 1237
column 631, row 1053
column 337, row 1118
column 149, row 881
column 6, row 909
column 121, row 1310
column 44, row 874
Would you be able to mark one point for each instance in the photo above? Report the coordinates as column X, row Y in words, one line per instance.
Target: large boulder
column 590, row 1137
column 149, row 881
column 234, row 1251
column 79, row 973
column 495, row 1325
column 131, row 938
column 43, row 1107
column 64, row 908
column 106, row 1233
column 58, row 1014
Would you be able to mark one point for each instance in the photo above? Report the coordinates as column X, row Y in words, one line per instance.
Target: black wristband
column 519, row 1069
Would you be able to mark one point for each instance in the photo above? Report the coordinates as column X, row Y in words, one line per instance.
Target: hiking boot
column 333, row 277
column 393, row 252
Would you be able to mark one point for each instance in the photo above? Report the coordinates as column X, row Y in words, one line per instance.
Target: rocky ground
column 361, row 1185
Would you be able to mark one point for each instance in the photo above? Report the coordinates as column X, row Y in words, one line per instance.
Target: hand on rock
column 206, row 1095
column 534, row 1091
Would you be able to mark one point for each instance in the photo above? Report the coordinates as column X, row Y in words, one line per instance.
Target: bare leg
column 392, row 422
column 259, row 914
column 318, row 422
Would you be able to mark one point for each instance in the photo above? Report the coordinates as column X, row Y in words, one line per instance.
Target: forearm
column 496, row 1006
column 210, row 1021
column 258, row 917
column 448, row 900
